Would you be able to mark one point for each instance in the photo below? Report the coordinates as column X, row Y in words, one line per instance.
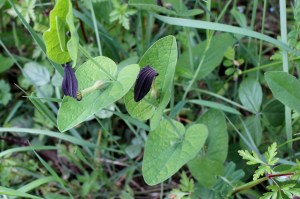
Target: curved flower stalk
column 144, row 82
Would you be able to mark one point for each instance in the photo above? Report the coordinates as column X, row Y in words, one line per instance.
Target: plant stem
column 247, row 186
column 95, row 27
column 283, row 30
column 279, row 174
column 260, row 42
column 199, row 66
column 93, row 60
column 97, row 85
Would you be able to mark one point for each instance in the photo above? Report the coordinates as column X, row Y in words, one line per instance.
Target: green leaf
column 6, row 63
column 162, row 56
column 229, row 71
column 252, row 159
column 61, row 32
column 285, row 88
column 271, row 153
column 61, row 21
column 250, row 94
column 5, row 95
column 73, row 42
column 239, row 17
column 230, row 53
column 254, row 128
column 259, row 172
column 274, row 112
column 186, row 184
column 38, row 74
column 36, row 37
column 214, row 56
column 269, row 195
column 168, row 149
column 206, row 170
column 206, row 167
column 73, row 112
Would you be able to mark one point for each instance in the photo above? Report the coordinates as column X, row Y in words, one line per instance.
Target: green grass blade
column 25, row 148
column 285, row 64
column 131, row 120
column 95, row 27
column 223, row 28
column 12, row 192
column 61, row 136
column 48, row 99
column 215, row 105
column 53, row 173
column 43, row 109
column 13, row 112
column 36, row 183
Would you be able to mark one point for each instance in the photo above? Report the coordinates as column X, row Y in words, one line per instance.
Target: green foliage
column 271, row 153
column 178, row 6
column 285, row 88
column 265, row 167
column 250, row 94
column 59, row 48
column 169, row 147
column 26, row 9
column 216, row 150
column 36, row 73
column 286, row 190
column 162, row 56
column 252, row 159
column 73, row 112
column 121, row 13
column 6, row 63
column 185, row 189
column 198, row 122
column 214, row 56
column 5, row 95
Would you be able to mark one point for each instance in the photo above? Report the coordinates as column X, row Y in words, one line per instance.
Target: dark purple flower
column 69, row 83
column 160, row 3
column 144, row 82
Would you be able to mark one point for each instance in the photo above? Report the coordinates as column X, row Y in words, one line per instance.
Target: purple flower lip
column 143, row 82
column 69, row 83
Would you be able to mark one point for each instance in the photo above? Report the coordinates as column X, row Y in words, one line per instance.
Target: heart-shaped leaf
column 162, row 56
column 61, row 21
column 73, row 112
column 285, row 88
column 169, row 147
column 206, row 168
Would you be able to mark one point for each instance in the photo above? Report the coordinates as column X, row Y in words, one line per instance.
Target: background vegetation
column 228, row 76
